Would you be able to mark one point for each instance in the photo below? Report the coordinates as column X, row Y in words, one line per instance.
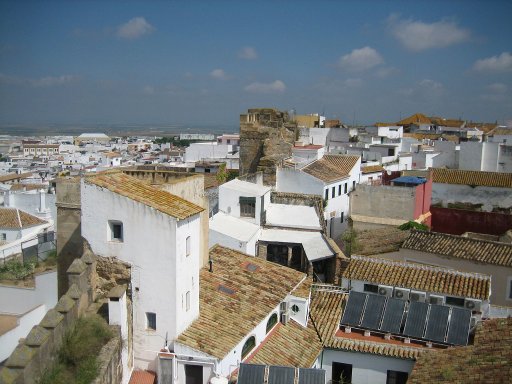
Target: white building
column 158, row 234
column 488, row 156
column 333, row 177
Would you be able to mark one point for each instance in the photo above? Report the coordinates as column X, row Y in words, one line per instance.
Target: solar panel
column 354, row 308
column 458, row 330
column 393, row 315
column 373, row 311
column 281, row 375
column 251, row 374
column 437, row 322
column 416, row 319
column 311, row 376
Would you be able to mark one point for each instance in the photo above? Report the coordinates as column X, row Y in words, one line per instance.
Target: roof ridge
column 19, row 218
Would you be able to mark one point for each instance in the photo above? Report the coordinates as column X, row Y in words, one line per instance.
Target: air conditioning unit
column 401, row 293
column 384, row 290
column 474, row 305
column 434, row 299
column 285, row 317
column 417, row 296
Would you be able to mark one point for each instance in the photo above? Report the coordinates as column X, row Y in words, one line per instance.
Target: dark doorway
column 296, row 262
column 341, row 373
column 193, row 374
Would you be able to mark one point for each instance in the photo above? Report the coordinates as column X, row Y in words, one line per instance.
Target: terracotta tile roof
column 488, row 360
column 418, row 276
column 372, row 169
column 432, row 136
column 134, row 189
column 502, row 131
column 290, row 345
column 326, row 310
column 14, row 218
column 304, row 289
column 331, row 167
column 481, row 251
column 477, row 178
column 447, row 122
column 240, row 292
column 417, row 118
column 15, row 176
column 379, row 240
column 142, row 377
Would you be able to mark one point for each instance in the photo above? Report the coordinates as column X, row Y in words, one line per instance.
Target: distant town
column 293, row 249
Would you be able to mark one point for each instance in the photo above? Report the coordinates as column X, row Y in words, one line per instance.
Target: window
column 397, row 377
column 345, row 190
column 333, row 193
column 193, row 374
column 327, row 194
column 456, row 301
column 342, row 218
column 3, row 236
column 295, row 309
column 248, row 346
column 247, row 206
column 371, row 288
column 151, row 321
column 509, row 296
column 187, row 300
column 187, row 246
column 271, row 322
column 341, row 373
column 353, row 185
column 339, row 190
column 116, row 230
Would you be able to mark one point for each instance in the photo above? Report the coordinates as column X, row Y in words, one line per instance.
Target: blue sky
column 205, row 62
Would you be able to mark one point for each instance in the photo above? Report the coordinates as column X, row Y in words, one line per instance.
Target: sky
column 206, row 62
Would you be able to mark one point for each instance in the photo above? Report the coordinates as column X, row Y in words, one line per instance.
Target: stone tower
column 267, row 136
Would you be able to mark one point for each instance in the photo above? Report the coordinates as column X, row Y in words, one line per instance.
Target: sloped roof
column 235, row 298
column 418, row 276
column 289, row 345
column 326, row 310
column 13, row 218
column 481, row 251
column 331, row 167
column 417, row 118
column 502, row 131
column 134, row 189
column 15, row 176
column 476, row 178
column 488, row 360
column 372, row 169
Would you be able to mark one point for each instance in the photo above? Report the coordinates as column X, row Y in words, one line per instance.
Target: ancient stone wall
column 266, row 138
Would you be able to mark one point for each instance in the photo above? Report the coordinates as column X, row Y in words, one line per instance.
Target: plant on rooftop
column 77, row 358
column 350, row 244
column 413, row 225
column 15, row 270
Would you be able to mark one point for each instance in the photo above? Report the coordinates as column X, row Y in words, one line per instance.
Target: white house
column 488, row 156
column 333, row 177
column 251, row 311
column 158, row 234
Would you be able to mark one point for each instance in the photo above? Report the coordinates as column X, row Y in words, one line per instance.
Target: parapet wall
column 39, row 350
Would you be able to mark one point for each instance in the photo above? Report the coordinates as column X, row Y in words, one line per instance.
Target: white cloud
column 248, row 53
column 148, row 90
column 431, row 84
column 353, row 83
column 136, row 27
column 360, row 59
column 497, row 87
column 501, row 63
column 218, row 74
column 275, row 87
column 48, row 81
column 420, row 36
column 386, row 72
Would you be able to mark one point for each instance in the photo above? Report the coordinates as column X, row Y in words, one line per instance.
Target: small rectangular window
column 3, row 236
column 353, row 184
column 247, row 206
column 396, row 377
column 342, row 214
column 116, row 230
column 333, row 194
column 371, row 288
column 187, row 300
column 456, row 301
column 187, row 246
column 509, row 288
column 327, row 194
column 345, row 191
column 339, row 190
column 151, row 321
